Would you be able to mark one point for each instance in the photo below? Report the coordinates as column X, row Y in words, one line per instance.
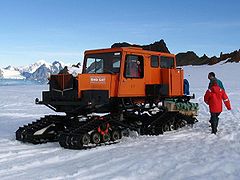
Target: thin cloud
column 218, row 24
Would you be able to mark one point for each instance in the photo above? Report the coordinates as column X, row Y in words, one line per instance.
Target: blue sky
column 62, row 29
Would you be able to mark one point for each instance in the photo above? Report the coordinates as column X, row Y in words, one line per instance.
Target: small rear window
column 155, row 61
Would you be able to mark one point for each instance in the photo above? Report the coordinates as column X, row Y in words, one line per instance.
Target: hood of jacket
column 215, row 89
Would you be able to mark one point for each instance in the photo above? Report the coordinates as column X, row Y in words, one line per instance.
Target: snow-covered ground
column 189, row 153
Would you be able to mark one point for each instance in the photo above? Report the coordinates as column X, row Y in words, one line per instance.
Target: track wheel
column 171, row 127
column 182, row 123
column 63, row 140
column 165, row 127
column 106, row 137
column 95, row 137
column 176, row 125
column 85, row 139
column 19, row 135
column 75, row 142
column 115, row 135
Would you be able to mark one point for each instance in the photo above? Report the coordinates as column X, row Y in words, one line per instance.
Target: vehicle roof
column 128, row 49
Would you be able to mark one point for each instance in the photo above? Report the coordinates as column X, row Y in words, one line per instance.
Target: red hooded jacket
column 214, row 97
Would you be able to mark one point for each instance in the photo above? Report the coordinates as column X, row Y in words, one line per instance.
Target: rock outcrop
column 190, row 58
column 159, row 46
column 231, row 57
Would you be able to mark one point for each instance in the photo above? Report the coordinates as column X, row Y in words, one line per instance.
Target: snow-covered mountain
column 10, row 73
column 38, row 71
column 42, row 73
column 32, row 67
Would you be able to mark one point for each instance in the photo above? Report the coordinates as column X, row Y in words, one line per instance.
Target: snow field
column 188, row 153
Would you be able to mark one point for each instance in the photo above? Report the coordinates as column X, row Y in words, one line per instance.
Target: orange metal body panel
column 174, row 78
column 177, row 82
column 97, row 82
column 120, row 86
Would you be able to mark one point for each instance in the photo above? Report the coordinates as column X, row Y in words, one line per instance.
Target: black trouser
column 214, row 121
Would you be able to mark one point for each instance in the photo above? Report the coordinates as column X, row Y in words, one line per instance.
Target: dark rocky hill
column 190, row 58
column 186, row 58
column 159, row 46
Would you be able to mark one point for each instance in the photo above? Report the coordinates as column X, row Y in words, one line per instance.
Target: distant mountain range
column 39, row 71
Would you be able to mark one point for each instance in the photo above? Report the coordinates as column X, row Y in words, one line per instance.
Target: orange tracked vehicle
column 120, row 89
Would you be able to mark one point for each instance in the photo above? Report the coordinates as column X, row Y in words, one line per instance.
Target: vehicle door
column 132, row 83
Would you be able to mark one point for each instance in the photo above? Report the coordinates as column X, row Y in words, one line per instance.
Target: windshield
column 102, row 63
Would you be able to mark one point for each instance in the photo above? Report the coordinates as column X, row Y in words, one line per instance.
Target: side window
column 166, row 62
column 116, row 62
column 134, row 66
column 155, row 61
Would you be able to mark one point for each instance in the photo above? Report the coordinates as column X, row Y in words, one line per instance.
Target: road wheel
column 171, row 127
column 95, row 138
column 165, row 127
column 85, row 139
column 176, row 125
column 182, row 123
column 115, row 135
column 106, row 137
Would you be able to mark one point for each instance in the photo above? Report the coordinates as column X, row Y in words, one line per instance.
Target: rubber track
column 71, row 136
column 26, row 133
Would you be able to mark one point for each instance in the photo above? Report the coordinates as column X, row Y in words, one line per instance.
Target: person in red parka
column 214, row 97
